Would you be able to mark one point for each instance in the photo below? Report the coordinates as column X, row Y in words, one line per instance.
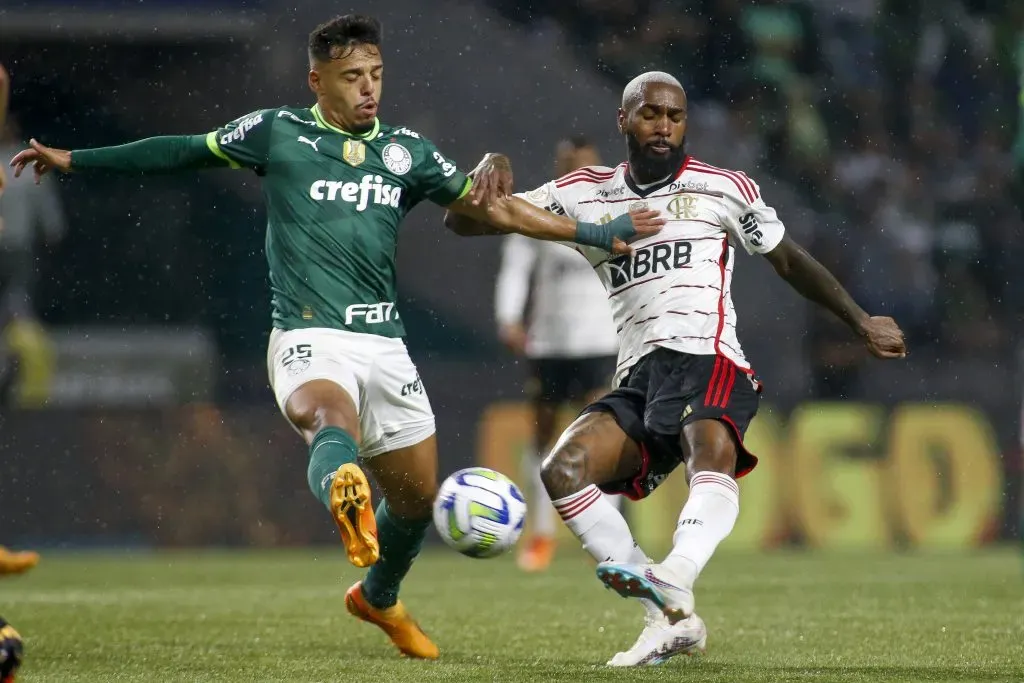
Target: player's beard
column 648, row 167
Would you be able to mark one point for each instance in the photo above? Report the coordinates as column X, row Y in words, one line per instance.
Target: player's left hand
column 10, row 652
column 43, row 160
column 492, row 179
column 883, row 337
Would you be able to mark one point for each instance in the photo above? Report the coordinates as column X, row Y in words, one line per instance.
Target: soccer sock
column 400, row 543
column 542, row 514
column 331, row 448
column 707, row 518
column 603, row 530
column 599, row 526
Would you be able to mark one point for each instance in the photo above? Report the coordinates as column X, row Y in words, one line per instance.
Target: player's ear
column 314, row 80
column 621, row 118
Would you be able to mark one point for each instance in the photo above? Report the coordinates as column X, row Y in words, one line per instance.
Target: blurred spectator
column 5, row 93
column 552, row 311
column 30, row 215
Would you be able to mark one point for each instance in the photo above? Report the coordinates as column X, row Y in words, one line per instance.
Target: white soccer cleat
column 660, row 641
column 655, row 582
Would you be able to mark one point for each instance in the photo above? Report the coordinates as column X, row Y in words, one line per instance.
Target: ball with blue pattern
column 479, row 512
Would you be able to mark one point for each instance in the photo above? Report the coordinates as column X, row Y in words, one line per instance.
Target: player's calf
column 593, row 451
column 712, row 507
column 327, row 418
column 408, row 478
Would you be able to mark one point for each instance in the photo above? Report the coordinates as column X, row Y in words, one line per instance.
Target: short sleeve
column 751, row 222
column 438, row 179
column 550, row 198
column 244, row 142
column 561, row 201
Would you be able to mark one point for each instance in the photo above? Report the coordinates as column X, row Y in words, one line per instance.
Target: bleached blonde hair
column 634, row 90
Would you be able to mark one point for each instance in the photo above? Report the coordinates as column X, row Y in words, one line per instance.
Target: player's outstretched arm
column 162, row 154
column 806, row 275
column 489, row 209
column 512, row 214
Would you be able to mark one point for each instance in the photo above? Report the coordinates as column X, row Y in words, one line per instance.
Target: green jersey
column 334, row 202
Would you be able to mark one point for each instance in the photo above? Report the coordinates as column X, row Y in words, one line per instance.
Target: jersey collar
column 322, row 122
column 651, row 189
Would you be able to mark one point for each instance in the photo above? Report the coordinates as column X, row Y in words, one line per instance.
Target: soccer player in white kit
column 685, row 392
column 568, row 340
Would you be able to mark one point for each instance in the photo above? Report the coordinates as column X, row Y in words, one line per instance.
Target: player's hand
column 10, row 652
column 883, row 337
column 646, row 223
column 492, row 179
column 616, row 234
column 3, row 180
column 513, row 336
column 42, row 158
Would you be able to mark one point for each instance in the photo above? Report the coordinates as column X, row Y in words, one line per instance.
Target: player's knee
column 709, row 446
column 564, row 471
column 314, row 419
column 312, row 408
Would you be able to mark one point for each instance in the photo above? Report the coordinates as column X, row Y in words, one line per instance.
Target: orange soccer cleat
column 401, row 628
column 353, row 512
column 16, row 563
column 536, row 554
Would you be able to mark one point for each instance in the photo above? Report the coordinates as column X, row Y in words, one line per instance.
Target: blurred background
column 889, row 134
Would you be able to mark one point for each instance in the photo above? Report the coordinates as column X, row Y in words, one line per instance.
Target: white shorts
column 394, row 411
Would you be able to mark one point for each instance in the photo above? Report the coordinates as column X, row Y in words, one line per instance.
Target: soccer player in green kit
column 337, row 184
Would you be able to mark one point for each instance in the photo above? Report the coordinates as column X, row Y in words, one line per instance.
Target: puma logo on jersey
column 311, row 143
column 371, row 188
column 649, row 260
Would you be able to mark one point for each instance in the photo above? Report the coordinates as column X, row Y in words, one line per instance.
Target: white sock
column 707, row 518
column 602, row 530
column 542, row 515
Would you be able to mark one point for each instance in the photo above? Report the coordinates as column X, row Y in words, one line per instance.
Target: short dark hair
column 346, row 31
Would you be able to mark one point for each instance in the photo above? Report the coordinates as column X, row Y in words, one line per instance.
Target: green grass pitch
column 279, row 616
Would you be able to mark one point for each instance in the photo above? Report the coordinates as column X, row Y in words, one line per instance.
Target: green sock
column 400, row 543
column 332, row 447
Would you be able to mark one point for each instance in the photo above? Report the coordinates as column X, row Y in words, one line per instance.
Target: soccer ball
column 479, row 512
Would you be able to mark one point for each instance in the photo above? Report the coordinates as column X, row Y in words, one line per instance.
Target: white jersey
column 570, row 316
column 675, row 291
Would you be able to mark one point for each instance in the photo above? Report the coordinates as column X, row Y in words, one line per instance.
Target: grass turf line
column 279, row 616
